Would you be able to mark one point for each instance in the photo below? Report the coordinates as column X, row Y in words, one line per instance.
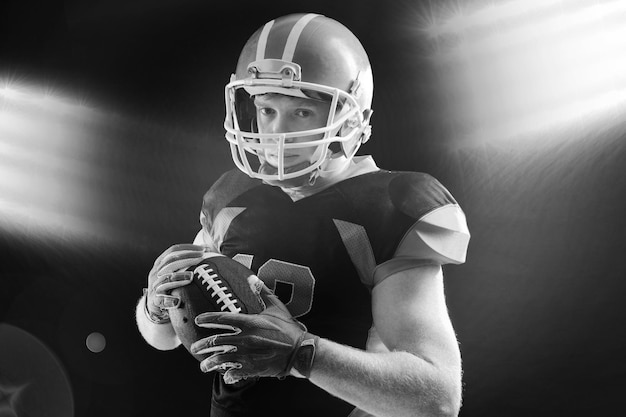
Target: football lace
column 219, row 292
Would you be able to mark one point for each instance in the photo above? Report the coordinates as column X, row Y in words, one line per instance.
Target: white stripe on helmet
column 294, row 35
column 292, row 39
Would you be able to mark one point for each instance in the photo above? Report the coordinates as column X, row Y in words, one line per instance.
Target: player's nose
column 280, row 124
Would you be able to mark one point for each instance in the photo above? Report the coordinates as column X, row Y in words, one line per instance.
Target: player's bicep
column 410, row 314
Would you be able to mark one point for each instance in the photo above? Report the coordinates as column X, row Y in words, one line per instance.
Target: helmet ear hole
column 245, row 109
column 350, row 147
column 352, row 122
column 254, row 128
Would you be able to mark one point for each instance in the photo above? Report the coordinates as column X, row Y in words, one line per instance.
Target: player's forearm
column 160, row 336
column 386, row 384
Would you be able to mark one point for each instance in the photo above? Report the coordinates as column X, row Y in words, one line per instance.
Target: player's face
column 277, row 113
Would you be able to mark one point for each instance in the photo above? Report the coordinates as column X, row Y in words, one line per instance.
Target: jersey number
column 292, row 283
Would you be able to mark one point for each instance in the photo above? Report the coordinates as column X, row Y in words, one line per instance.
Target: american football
column 220, row 284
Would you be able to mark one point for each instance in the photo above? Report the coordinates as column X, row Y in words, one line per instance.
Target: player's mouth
column 285, row 156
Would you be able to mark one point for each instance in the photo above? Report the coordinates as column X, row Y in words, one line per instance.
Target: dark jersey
column 322, row 255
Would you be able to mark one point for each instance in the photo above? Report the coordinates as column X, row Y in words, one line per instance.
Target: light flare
column 508, row 68
column 45, row 168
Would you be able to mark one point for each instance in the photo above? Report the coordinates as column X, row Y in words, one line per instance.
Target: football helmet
column 307, row 56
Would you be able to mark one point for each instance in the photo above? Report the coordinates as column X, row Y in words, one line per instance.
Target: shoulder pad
column 229, row 186
column 441, row 236
column 203, row 237
column 440, row 232
column 416, row 194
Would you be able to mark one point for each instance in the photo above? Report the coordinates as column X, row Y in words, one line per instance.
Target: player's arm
column 417, row 370
column 421, row 373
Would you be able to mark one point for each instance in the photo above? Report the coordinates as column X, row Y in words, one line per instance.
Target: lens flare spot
column 96, row 342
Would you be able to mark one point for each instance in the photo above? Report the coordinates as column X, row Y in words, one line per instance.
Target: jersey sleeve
column 203, row 237
column 439, row 234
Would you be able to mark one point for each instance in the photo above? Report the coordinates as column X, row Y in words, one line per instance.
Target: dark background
column 538, row 307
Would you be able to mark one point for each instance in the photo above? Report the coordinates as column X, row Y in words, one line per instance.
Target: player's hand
column 166, row 275
column 264, row 344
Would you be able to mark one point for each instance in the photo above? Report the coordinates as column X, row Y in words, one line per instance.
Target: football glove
column 163, row 278
column 269, row 344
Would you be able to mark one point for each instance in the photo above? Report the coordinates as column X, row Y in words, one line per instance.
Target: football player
column 350, row 254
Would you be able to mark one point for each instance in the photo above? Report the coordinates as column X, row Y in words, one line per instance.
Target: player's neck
column 356, row 166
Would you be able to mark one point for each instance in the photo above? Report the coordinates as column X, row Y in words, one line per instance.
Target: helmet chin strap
column 303, row 180
column 335, row 164
column 330, row 165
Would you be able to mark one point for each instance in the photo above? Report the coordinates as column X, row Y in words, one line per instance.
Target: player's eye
column 266, row 111
column 303, row 113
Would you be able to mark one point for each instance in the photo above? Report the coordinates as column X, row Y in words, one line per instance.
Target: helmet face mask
column 242, row 131
column 305, row 70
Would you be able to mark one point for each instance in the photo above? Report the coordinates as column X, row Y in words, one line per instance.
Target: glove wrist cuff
column 304, row 356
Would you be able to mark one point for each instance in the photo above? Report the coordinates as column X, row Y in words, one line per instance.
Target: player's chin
column 289, row 161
